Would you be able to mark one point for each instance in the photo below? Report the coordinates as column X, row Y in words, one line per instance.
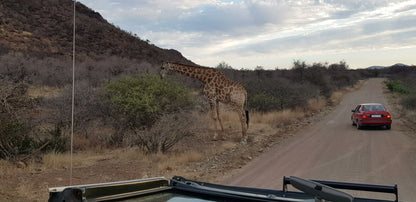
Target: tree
column 299, row 69
column 224, row 65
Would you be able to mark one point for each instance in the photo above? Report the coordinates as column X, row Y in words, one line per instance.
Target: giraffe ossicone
column 217, row 88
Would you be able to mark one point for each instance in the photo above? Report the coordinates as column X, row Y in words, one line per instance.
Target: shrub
column 14, row 140
column 139, row 102
column 397, row 86
column 271, row 94
column 14, row 100
column 263, row 102
column 142, row 100
column 56, row 143
column 165, row 133
column 409, row 102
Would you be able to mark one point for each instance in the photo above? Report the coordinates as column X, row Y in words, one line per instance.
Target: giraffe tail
column 247, row 114
column 247, row 118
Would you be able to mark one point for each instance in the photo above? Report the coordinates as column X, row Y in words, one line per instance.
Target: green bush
column 398, row 87
column 142, row 100
column 140, row 103
column 407, row 88
column 264, row 102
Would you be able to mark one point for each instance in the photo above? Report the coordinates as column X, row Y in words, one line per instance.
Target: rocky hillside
column 44, row 28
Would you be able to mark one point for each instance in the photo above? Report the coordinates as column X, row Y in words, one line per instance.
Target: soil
column 324, row 146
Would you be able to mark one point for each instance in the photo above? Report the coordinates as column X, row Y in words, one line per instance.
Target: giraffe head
column 164, row 69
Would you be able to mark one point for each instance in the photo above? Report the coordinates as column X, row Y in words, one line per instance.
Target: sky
column 272, row 33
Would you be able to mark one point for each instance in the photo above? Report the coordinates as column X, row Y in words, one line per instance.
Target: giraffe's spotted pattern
column 217, row 88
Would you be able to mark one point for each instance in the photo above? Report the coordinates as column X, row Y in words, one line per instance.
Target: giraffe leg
column 243, row 120
column 222, row 136
column 218, row 115
column 214, row 117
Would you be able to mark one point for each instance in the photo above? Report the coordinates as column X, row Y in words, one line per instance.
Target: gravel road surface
column 334, row 150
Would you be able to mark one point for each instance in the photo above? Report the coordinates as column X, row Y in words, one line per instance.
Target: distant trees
column 268, row 94
column 289, row 89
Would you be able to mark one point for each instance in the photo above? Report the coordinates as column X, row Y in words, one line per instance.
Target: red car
column 371, row 114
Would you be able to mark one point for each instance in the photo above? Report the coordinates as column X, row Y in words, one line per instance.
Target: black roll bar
column 353, row 186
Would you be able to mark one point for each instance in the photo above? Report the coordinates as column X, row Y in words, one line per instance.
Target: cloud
column 362, row 29
column 206, row 30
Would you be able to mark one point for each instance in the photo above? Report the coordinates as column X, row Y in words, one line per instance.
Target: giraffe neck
column 203, row 74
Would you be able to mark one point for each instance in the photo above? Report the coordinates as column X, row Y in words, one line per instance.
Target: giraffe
column 217, row 88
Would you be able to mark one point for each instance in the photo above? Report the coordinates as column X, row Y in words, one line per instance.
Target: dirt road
column 334, row 150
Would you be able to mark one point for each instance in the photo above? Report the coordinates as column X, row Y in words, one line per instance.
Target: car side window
column 357, row 109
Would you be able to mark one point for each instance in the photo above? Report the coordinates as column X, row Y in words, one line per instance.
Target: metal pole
column 73, row 93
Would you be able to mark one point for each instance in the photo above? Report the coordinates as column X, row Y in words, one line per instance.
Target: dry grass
column 173, row 161
column 14, row 186
column 129, row 154
column 262, row 122
column 317, row 104
column 158, row 162
column 25, row 189
column 55, row 160
column 44, row 91
column 289, row 116
column 265, row 118
column 412, row 116
column 81, row 159
column 62, row 161
column 272, row 119
column 335, row 98
column 10, row 169
column 7, row 169
column 277, row 118
column 228, row 145
column 229, row 119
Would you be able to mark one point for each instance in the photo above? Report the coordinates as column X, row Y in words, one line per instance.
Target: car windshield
column 373, row 108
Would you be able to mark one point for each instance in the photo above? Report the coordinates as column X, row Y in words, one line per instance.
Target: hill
column 44, row 28
column 384, row 67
